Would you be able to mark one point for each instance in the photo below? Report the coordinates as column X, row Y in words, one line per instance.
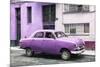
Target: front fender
column 68, row 45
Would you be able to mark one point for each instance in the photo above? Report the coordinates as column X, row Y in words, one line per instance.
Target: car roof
column 49, row 30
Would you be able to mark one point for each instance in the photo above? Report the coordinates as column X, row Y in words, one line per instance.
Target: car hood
column 76, row 41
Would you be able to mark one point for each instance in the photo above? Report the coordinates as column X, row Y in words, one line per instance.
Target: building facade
column 77, row 21
column 25, row 19
column 74, row 20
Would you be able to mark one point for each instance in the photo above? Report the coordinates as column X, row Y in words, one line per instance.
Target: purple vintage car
column 52, row 42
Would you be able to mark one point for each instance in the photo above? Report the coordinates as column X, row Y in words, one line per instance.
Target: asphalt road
column 18, row 58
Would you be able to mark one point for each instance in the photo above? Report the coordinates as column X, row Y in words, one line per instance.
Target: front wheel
column 65, row 54
column 29, row 52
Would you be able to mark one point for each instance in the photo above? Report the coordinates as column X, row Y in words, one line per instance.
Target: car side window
column 49, row 35
column 39, row 35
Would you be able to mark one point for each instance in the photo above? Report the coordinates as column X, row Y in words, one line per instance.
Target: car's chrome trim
column 78, row 52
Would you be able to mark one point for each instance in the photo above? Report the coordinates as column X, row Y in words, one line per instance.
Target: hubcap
column 28, row 52
column 65, row 55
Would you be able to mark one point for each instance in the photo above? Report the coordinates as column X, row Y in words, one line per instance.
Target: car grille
column 80, row 48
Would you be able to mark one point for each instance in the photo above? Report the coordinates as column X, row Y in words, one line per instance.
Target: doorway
column 18, row 24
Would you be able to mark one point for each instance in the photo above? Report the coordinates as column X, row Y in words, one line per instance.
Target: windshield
column 60, row 34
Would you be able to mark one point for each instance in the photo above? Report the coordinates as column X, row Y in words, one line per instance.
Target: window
column 60, row 34
column 49, row 35
column 29, row 14
column 76, row 8
column 86, row 28
column 48, row 13
column 49, row 26
column 67, row 28
column 80, row 28
column 80, row 8
column 86, row 8
column 39, row 35
column 72, row 29
column 48, row 16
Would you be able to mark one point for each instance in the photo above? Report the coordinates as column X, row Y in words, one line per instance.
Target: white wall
column 88, row 17
column 28, row 28
column 58, row 22
column 82, row 18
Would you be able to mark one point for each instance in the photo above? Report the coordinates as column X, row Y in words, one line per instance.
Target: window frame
column 59, row 32
column 37, row 33
column 69, row 27
column 51, row 33
column 49, row 17
column 77, row 8
column 71, row 31
column 85, row 31
column 29, row 14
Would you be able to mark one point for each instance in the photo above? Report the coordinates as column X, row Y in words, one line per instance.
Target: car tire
column 65, row 54
column 29, row 52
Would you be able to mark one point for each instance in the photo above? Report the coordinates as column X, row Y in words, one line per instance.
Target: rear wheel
column 29, row 52
column 65, row 54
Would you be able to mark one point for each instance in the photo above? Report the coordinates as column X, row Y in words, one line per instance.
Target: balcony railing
column 68, row 8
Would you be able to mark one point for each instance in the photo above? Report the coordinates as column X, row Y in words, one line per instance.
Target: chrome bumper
column 78, row 52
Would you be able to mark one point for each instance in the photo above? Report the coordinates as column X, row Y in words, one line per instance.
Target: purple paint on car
column 52, row 42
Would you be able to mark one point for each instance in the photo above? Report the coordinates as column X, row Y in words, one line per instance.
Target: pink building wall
column 13, row 22
column 26, row 28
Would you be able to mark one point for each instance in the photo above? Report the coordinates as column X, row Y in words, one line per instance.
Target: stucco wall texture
column 26, row 28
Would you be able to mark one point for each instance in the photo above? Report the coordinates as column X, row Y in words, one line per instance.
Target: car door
column 49, row 43
column 37, row 41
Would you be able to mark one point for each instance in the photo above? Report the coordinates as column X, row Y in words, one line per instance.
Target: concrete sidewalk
column 16, row 48
column 87, row 52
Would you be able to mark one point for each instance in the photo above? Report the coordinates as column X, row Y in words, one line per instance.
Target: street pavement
column 18, row 58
